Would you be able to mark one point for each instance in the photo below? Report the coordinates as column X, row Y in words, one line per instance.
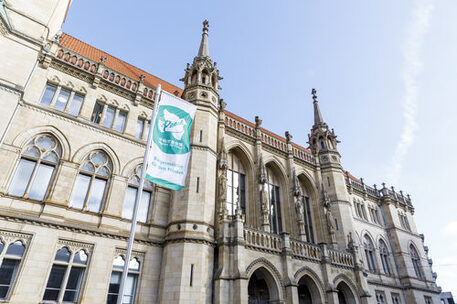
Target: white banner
column 170, row 146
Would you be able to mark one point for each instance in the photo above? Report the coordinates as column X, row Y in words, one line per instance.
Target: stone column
column 288, row 273
column 331, row 291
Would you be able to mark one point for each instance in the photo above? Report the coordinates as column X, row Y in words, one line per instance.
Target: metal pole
column 138, row 199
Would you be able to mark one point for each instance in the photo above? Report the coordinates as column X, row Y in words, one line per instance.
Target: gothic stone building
column 261, row 219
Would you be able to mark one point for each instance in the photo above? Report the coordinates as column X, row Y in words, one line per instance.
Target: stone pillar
column 331, row 291
column 288, row 272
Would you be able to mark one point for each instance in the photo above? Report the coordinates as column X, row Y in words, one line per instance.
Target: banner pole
column 139, row 193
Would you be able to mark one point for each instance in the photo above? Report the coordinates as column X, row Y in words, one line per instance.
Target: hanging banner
column 170, row 146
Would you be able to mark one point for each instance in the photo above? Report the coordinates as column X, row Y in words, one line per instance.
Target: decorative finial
column 374, row 186
column 142, row 78
column 288, row 137
column 313, row 92
column 205, row 26
column 361, row 180
column 258, row 122
column 222, row 104
column 383, row 185
column 103, row 59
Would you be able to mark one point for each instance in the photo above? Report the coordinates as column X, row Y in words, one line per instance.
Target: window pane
column 62, row 100
column 144, row 206
column 54, row 282
column 114, row 282
column 8, row 272
column 75, row 105
column 148, row 128
column 80, row 191
column 96, row 195
column 109, row 117
column 41, row 181
column 129, row 201
column 134, row 264
column 1, row 247
column 48, row 94
column 120, row 122
column 73, row 284
column 139, row 128
column 118, row 262
column 21, row 177
column 80, row 257
column 63, row 255
column 16, row 249
column 97, row 113
column 129, row 290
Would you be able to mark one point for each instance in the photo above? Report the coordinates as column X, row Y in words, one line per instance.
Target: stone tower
column 334, row 196
column 187, row 272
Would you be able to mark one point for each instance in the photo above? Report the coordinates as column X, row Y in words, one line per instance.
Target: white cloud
column 412, row 67
column 450, row 229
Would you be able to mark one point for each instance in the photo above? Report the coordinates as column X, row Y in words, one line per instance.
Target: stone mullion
column 116, row 114
column 102, row 118
column 70, row 99
column 54, row 98
column 65, row 278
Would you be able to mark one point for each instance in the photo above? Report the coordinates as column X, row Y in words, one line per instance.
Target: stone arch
column 84, row 150
column 241, row 146
column 312, row 281
column 23, row 138
column 382, row 238
column 346, row 287
column 130, row 165
column 279, row 168
column 283, row 219
column 272, row 275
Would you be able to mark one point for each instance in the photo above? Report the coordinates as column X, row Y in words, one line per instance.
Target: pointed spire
column 204, row 48
column 317, row 112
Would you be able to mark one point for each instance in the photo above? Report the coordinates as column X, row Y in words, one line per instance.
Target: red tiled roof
column 133, row 72
column 116, row 64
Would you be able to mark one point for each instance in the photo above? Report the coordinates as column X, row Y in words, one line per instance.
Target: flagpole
column 138, row 199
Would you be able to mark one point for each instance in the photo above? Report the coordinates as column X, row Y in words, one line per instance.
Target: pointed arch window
column 130, row 196
column 130, row 288
column 415, row 259
column 90, row 187
column 384, row 255
column 369, row 253
column 273, row 187
column 66, row 276
column 236, row 185
column 10, row 260
column 36, row 167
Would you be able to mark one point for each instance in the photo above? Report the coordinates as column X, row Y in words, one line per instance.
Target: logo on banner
column 172, row 130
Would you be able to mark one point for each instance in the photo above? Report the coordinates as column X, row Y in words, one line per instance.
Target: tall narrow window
column 62, row 99
column 36, row 167
column 130, row 196
column 120, row 122
column 140, row 127
column 369, row 253
column 236, row 185
column 308, row 219
column 48, row 94
column 10, row 260
column 384, row 255
column 130, row 284
column 66, row 276
column 89, row 189
column 97, row 113
column 275, row 202
column 109, row 117
column 75, row 105
column 415, row 259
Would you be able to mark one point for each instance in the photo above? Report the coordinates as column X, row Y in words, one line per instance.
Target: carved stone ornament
column 328, row 213
column 262, row 171
column 223, row 156
column 288, row 137
column 296, row 187
column 258, row 122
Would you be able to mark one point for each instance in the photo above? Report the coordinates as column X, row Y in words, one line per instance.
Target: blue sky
column 385, row 74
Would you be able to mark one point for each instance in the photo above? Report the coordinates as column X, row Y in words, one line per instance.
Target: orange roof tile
column 116, row 64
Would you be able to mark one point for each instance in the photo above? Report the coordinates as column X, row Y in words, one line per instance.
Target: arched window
column 130, row 196
column 66, row 276
column 10, row 262
column 130, row 284
column 307, row 214
column 36, row 167
column 236, row 185
column 369, row 253
column 89, row 189
column 384, row 255
column 416, row 261
column 273, row 188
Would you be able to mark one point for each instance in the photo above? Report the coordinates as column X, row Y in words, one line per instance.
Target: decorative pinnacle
column 313, row 92
column 205, row 26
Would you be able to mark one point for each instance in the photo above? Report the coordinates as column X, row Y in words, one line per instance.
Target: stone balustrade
column 305, row 250
column 262, row 240
column 341, row 258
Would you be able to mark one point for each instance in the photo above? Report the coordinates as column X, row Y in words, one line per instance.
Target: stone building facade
column 261, row 220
